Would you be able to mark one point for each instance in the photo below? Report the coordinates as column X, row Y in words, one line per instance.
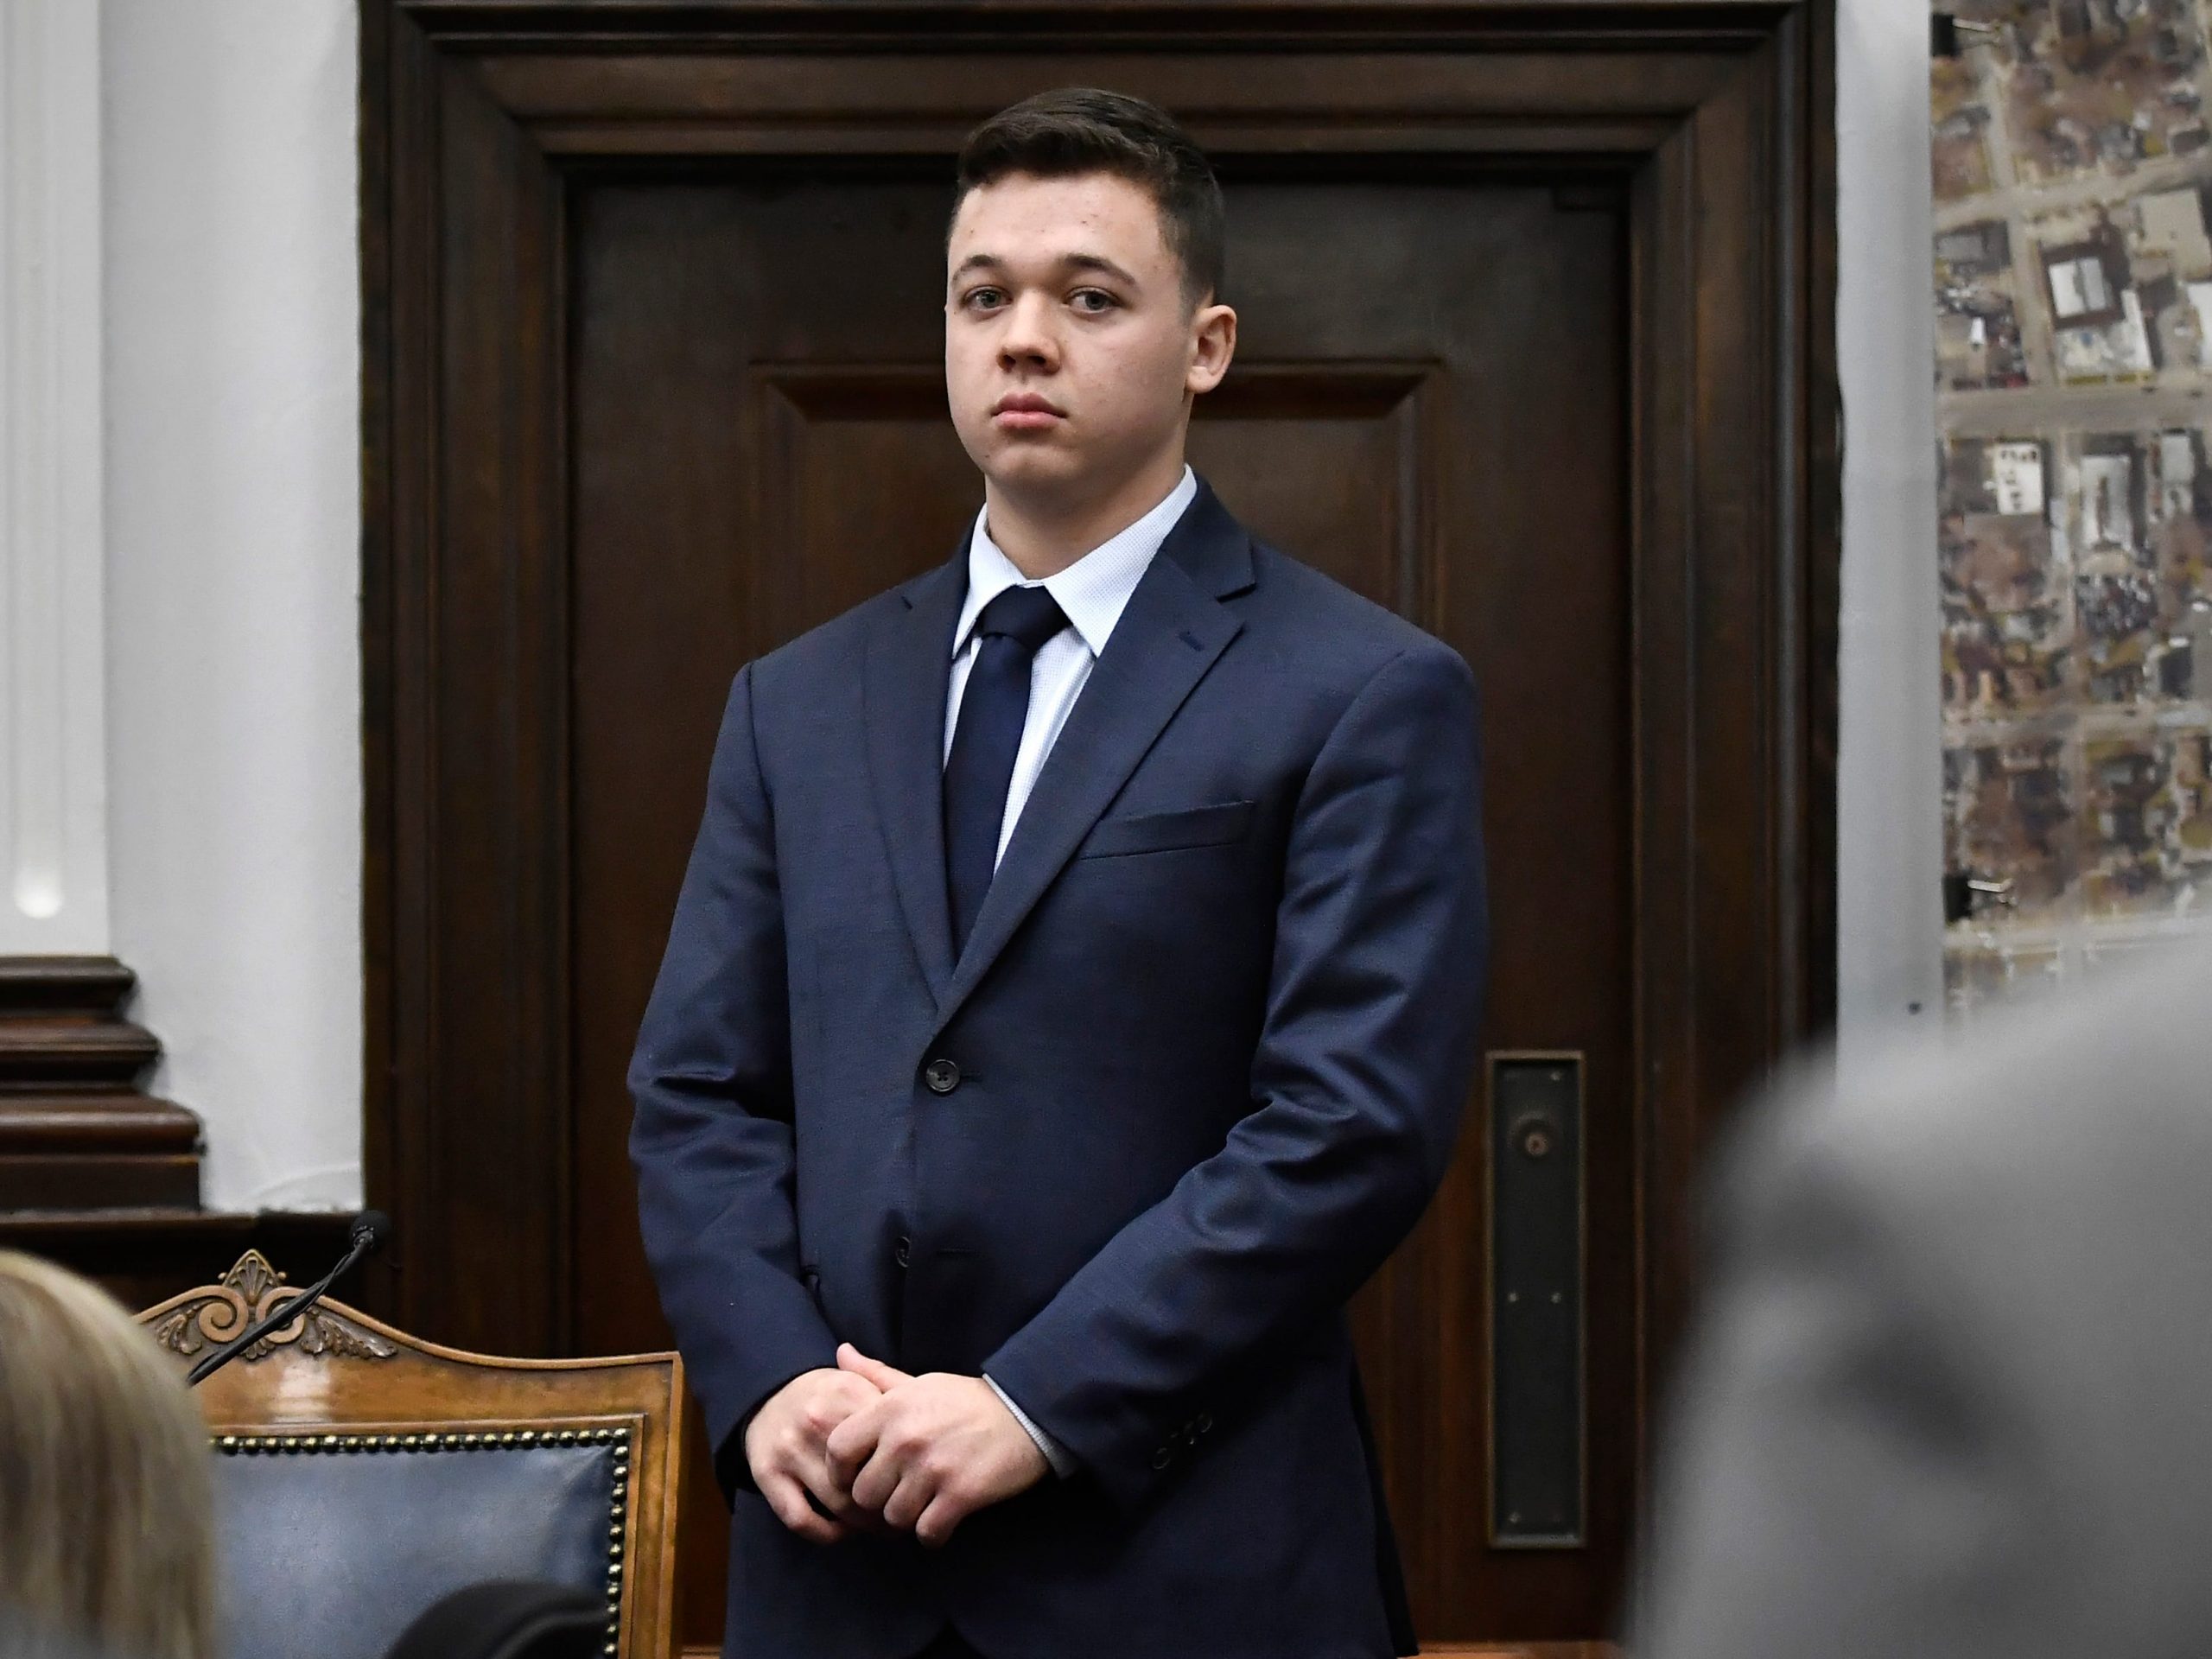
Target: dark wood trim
column 76, row 1130
column 1818, row 395
column 143, row 1256
column 1457, row 1650
column 1287, row 26
column 1714, row 118
column 382, row 1082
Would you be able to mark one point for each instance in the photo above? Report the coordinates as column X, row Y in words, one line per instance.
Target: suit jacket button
column 941, row 1076
column 1163, row 1457
column 1204, row 1422
column 903, row 1250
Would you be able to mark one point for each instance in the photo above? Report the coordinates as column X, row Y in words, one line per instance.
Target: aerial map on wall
column 2073, row 268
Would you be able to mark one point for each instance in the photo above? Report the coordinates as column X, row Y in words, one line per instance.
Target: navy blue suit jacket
column 1207, row 1049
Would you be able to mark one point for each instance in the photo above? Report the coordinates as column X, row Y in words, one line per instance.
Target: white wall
column 54, row 807
column 1889, row 832
column 233, row 523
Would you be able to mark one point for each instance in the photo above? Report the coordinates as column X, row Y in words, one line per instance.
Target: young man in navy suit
column 1069, row 1004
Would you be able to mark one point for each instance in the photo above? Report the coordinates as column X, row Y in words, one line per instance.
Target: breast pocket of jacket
column 1218, row 824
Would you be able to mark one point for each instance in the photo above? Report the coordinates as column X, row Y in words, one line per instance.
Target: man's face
column 1071, row 351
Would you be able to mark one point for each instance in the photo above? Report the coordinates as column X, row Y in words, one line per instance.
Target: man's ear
column 1213, row 343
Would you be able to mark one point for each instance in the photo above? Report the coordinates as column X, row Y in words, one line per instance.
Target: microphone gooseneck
column 369, row 1232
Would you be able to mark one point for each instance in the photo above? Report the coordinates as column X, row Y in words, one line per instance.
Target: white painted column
column 54, row 869
column 1888, row 829
column 233, row 398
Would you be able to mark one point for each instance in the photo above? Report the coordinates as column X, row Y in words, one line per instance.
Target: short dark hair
column 1075, row 130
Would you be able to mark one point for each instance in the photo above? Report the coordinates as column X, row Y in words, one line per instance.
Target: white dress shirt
column 1092, row 592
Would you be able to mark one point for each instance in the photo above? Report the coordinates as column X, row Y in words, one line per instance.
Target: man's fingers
column 905, row 1506
column 874, row 1485
column 935, row 1523
column 850, row 1358
column 787, row 1498
column 849, row 1446
column 818, row 1478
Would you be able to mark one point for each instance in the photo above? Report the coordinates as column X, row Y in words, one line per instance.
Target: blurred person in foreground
column 1949, row 1393
column 106, row 1499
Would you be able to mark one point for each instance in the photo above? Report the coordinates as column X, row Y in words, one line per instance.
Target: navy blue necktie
column 993, row 708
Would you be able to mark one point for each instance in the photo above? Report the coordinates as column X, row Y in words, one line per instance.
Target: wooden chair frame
column 339, row 1379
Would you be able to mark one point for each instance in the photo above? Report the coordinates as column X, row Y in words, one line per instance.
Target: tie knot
column 1029, row 616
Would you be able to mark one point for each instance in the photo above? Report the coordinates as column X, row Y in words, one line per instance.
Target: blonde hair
column 106, row 1491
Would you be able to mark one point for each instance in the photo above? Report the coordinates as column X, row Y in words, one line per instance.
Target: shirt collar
column 1095, row 589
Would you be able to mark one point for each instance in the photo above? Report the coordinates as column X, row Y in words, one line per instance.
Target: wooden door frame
column 1716, row 118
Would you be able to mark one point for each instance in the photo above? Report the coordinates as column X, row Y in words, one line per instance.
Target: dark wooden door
column 1429, row 401
column 1537, row 308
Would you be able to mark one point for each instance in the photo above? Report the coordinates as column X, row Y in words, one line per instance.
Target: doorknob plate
column 1537, row 1388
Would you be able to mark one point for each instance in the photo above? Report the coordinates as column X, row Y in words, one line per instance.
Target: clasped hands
column 883, row 1451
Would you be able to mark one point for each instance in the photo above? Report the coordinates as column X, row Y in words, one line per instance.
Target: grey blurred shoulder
column 2081, row 1098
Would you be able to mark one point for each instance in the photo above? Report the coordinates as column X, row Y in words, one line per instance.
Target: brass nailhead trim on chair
column 618, row 1500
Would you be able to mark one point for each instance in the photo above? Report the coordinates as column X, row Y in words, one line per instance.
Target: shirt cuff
column 1058, row 1456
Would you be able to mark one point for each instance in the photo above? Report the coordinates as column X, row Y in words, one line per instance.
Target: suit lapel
column 906, row 680
column 1168, row 637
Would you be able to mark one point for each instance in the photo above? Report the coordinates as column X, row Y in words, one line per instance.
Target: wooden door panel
column 1534, row 351
column 861, row 483
column 1486, row 499
column 749, row 466
column 1319, row 458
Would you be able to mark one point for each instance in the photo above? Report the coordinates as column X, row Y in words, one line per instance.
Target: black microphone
column 370, row 1230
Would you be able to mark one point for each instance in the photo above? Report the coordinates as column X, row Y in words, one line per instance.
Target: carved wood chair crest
column 249, row 1290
